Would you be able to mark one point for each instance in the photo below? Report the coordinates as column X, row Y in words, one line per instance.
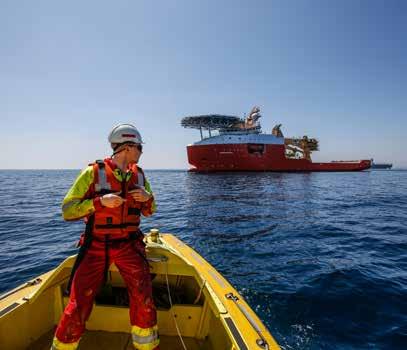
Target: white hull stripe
column 266, row 139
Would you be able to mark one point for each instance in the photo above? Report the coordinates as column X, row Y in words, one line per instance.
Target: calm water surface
column 321, row 257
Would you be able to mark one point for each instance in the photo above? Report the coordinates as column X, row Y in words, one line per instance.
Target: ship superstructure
column 240, row 145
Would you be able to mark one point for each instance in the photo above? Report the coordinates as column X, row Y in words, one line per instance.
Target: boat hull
column 267, row 157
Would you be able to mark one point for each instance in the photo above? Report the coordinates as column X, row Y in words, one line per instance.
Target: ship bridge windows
column 255, row 148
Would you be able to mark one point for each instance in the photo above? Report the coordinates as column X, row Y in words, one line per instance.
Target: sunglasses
column 139, row 147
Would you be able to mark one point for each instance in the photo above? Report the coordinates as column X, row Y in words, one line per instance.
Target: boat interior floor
column 100, row 340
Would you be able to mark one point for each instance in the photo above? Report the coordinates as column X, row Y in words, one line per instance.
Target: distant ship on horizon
column 381, row 165
column 242, row 146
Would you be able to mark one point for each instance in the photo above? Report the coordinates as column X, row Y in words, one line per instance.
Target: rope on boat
column 172, row 312
column 200, row 293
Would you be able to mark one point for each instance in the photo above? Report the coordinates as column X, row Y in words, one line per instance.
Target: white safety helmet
column 124, row 133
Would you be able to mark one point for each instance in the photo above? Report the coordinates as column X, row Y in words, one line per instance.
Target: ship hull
column 267, row 157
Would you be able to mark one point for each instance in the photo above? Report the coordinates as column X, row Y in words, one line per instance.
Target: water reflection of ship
column 240, row 145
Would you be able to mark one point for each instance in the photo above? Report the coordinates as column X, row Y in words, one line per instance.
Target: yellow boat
column 197, row 307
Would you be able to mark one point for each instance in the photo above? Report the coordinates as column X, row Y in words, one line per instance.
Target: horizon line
column 81, row 169
column 154, row 169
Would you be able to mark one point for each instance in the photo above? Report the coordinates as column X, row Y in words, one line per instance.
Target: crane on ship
column 297, row 147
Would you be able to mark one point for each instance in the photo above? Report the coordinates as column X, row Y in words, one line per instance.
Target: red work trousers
column 89, row 277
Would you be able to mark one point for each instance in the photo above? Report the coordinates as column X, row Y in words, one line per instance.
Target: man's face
column 134, row 152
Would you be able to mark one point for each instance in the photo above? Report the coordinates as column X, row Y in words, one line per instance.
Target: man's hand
column 140, row 195
column 112, row 200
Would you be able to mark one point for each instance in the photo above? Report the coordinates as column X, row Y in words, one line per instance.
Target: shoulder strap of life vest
column 139, row 175
column 101, row 183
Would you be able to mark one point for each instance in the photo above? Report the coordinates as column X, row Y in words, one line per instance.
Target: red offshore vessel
column 240, row 145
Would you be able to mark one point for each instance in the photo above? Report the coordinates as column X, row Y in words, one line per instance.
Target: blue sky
column 334, row 70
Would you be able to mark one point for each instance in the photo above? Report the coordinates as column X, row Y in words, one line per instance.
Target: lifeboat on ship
column 240, row 145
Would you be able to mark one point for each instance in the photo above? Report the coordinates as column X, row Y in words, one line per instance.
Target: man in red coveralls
column 111, row 195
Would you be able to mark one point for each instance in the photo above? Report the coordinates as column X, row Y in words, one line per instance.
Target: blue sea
column 321, row 257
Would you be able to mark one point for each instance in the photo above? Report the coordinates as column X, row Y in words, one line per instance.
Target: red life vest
column 122, row 220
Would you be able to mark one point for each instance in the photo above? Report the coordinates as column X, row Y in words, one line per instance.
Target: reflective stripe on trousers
column 58, row 345
column 145, row 338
